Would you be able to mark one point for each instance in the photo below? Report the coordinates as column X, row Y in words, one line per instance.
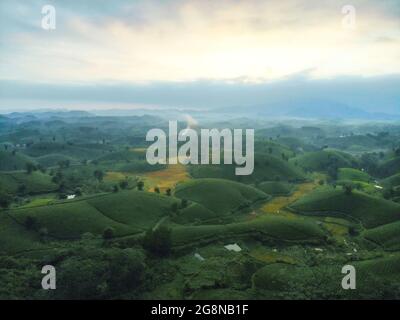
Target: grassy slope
column 75, row 151
column 53, row 159
column 353, row 174
column 266, row 168
column 319, row 160
column 127, row 212
column 390, row 167
column 9, row 162
column 135, row 208
column 15, row 238
column 36, row 182
column 269, row 227
column 387, row 235
column 371, row 211
column 275, row 188
column 217, row 195
column 285, row 277
column 392, row 181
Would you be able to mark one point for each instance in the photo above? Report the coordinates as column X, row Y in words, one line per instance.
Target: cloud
column 149, row 41
column 376, row 94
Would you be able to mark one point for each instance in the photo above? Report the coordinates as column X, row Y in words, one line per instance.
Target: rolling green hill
column 276, row 188
column 88, row 151
column 53, row 159
column 389, row 167
column 392, row 181
column 9, row 162
column 321, row 160
column 15, row 238
column 35, row 182
column 127, row 212
column 353, row 174
column 124, row 155
column 218, row 195
column 370, row 211
column 282, row 279
column 266, row 168
column 387, row 235
column 267, row 228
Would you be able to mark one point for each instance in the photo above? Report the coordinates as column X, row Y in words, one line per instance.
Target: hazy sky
column 154, row 47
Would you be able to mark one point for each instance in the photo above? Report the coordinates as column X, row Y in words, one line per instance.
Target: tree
column 184, row 203
column 140, row 185
column 174, row 207
column 108, row 233
column 348, row 189
column 123, row 184
column 62, row 196
column 78, row 192
column 168, row 192
column 98, row 174
column 157, row 190
column 31, row 223
column 63, row 163
column 30, row 167
column 21, row 190
column 5, row 200
column 158, row 242
column 115, row 189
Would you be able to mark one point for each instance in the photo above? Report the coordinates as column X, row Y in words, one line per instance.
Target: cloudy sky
column 197, row 53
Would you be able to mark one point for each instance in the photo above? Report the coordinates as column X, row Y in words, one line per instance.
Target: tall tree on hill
column 140, row 185
column 5, row 200
column 30, row 167
column 99, row 175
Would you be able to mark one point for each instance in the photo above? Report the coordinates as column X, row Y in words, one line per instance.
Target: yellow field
column 268, row 256
column 114, row 176
column 139, row 149
column 277, row 205
column 167, row 178
column 337, row 227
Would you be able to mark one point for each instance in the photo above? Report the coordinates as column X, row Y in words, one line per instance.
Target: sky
column 199, row 53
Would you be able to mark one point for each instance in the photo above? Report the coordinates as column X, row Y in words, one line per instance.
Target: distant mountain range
column 309, row 110
column 284, row 108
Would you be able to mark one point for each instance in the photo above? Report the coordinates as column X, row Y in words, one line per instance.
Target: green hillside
column 218, row 195
column 322, row 160
column 53, row 159
column 392, row 181
column 15, row 238
column 266, row 228
column 10, row 161
column 266, row 168
column 138, row 209
column 276, row 188
column 88, row 151
column 353, row 174
column 126, row 212
column 33, row 183
column 389, row 167
column 370, row 211
column 282, row 280
column 387, row 235
column 124, row 155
